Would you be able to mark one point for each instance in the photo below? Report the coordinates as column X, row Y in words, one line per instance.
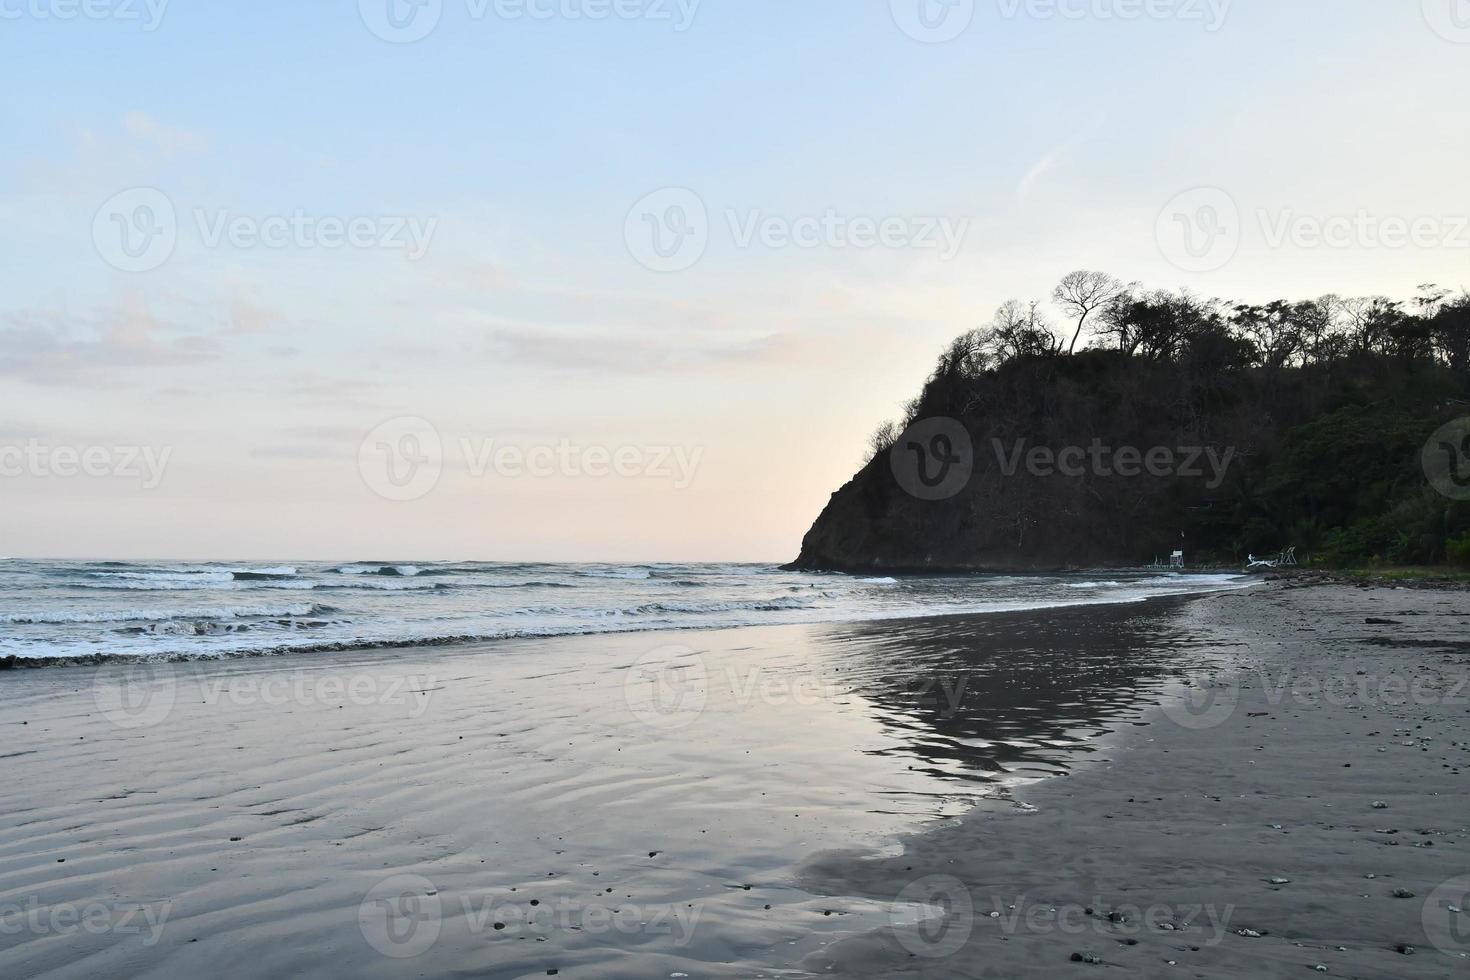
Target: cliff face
column 1100, row 460
column 1020, row 522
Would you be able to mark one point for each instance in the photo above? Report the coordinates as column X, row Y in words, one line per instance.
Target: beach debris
column 1380, row 805
column 1278, row 881
column 1402, row 893
column 1403, row 948
column 1250, row 933
column 1092, row 958
column 1320, row 967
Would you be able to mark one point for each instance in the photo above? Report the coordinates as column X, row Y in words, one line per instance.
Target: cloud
column 58, row 348
column 1056, row 154
column 644, row 354
column 169, row 141
column 249, row 314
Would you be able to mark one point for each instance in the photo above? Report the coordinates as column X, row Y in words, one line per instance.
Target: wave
column 387, row 584
column 524, row 585
column 406, row 571
column 779, row 604
column 160, row 615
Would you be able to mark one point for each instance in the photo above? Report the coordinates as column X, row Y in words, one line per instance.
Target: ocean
column 65, row 609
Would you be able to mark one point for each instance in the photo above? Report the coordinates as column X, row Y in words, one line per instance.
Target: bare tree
column 1081, row 293
column 1020, row 330
column 967, row 356
column 883, row 439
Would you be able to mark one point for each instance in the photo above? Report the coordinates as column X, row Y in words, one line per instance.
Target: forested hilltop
column 1337, row 426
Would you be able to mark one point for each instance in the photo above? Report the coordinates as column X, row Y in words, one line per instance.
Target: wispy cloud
column 58, row 348
column 1059, row 153
column 647, row 354
column 170, row 141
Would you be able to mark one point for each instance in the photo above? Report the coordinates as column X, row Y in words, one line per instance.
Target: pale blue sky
column 523, row 144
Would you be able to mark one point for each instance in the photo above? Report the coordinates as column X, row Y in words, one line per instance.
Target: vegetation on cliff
column 1220, row 429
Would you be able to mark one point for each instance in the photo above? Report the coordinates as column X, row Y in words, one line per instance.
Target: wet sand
column 1300, row 810
column 732, row 803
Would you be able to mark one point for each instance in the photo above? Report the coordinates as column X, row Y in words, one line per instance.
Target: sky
column 631, row 280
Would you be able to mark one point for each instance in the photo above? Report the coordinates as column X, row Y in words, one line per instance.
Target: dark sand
column 1317, row 795
column 721, row 803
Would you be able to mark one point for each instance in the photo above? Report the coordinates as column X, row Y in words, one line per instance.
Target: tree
column 1275, row 329
column 1369, row 320
column 1020, row 330
column 968, row 356
column 1324, row 328
column 1451, row 330
column 883, row 439
column 1082, row 293
column 1157, row 325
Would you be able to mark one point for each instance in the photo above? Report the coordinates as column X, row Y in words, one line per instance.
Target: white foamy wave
column 407, row 571
column 754, row 605
column 878, row 581
column 620, row 573
column 387, row 584
column 157, row 615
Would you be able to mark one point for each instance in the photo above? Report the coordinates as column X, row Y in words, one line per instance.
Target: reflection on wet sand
column 982, row 698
